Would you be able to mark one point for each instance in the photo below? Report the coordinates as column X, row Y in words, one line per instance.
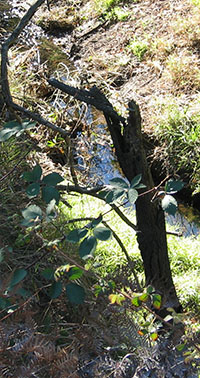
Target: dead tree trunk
column 151, row 235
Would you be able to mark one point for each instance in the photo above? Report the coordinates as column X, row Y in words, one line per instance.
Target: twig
column 92, row 97
column 4, row 72
column 126, row 254
column 94, row 193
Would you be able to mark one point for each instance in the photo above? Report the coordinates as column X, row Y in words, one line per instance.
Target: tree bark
column 151, row 232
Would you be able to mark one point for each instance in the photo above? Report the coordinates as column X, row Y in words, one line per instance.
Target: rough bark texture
column 151, row 235
column 151, row 232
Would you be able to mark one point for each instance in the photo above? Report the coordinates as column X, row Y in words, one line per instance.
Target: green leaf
column 180, row 347
column 75, row 293
column 132, row 195
column 119, row 183
column 76, row 235
column 31, row 214
column 173, row 186
column 110, row 196
column 136, row 302
column 154, row 336
column 49, row 193
column 143, row 297
column 117, row 193
column 87, row 247
column 14, row 128
column 48, row 273
column 169, row 204
column 156, row 301
column 34, row 175
column 55, row 289
column 17, row 277
column 136, row 180
column 33, row 190
column 96, row 221
column 75, row 273
column 52, row 179
column 150, row 289
column 102, row 233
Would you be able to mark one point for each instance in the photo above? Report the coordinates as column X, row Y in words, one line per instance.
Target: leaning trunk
column 151, row 235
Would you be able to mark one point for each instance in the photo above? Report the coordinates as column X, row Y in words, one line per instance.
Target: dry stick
column 4, row 72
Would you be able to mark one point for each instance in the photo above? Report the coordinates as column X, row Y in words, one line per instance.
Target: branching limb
column 94, row 193
column 4, row 72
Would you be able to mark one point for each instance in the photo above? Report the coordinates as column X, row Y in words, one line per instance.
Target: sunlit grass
column 178, row 130
column 108, row 255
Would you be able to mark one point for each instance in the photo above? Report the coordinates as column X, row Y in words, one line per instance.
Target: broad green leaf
column 34, row 175
column 169, row 204
column 87, row 247
column 75, row 293
column 117, row 193
column 156, row 301
column 48, row 273
column 180, row 347
column 136, row 302
column 112, row 298
column 75, row 273
column 102, row 233
column 49, row 193
column 76, row 235
column 136, row 180
column 173, row 186
column 14, row 128
column 150, row 289
column 132, row 195
column 33, row 190
column 103, row 193
column 31, row 214
column 52, row 179
column 119, row 183
column 55, row 289
column 143, row 297
column 140, row 186
column 17, row 277
column 96, row 221
column 110, row 196
column 154, row 336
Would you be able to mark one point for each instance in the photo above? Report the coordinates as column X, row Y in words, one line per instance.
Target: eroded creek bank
column 57, row 43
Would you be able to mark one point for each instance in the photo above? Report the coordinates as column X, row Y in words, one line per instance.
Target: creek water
column 95, row 157
column 94, row 153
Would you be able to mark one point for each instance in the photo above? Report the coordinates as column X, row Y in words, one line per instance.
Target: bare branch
column 4, row 72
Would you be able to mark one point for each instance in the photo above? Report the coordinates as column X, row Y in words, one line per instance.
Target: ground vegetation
column 60, row 316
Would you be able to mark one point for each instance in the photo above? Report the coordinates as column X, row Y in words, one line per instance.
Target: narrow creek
column 96, row 159
column 94, row 154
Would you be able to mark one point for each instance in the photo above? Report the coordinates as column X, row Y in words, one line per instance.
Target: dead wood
column 4, row 73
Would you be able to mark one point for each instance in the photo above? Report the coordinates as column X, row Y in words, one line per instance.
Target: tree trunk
column 151, row 235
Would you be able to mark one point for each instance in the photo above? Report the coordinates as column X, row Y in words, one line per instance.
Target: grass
column 178, row 129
